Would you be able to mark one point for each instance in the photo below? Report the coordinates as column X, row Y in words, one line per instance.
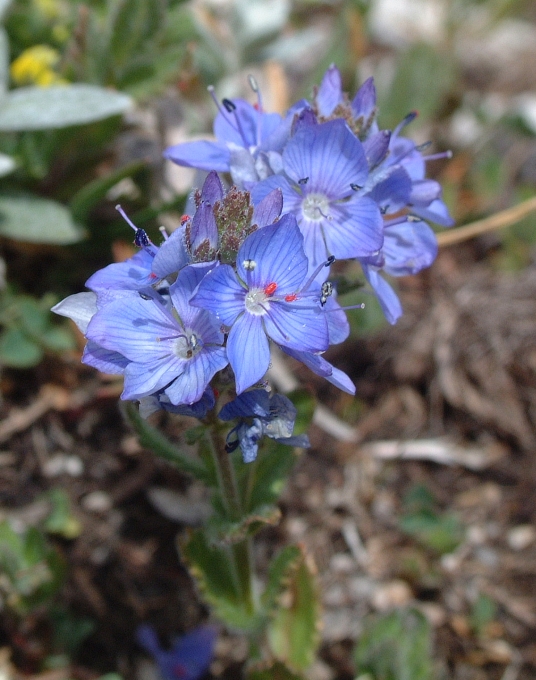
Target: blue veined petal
column 338, row 326
column 356, row 229
column 220, row 293
column 245, row 126
column 268, row 210
column 212, row 190
column 393, row 192
column 295, row 325
column 251, row 403
column 323, row 368
column 139, row 329
column 329, row 157
column 104, row 360
column 436, row 212
column 202, row 155
column 143, row 379
column 132, row 274
column 248, row 351
column 408, row 247
column 424, row 191
column 313, row 242
column 79, row 307
column 242, row 166
column 364, row 102
column 172, row 255
column 329, row 93
column 277, row 251
column 203, row 229
column 376, row 147
column 387, row 297
column 190, row 385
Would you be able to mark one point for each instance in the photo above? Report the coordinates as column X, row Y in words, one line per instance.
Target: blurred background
column 417, row 500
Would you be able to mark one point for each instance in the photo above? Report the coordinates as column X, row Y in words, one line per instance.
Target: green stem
column 241, row 550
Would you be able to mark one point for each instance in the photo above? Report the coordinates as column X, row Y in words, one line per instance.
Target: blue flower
column 409, row 246
column 188, row 659
column 261, row 415
column 265, row 298
column 242, row 133
column 177, row 350
column 324, row 166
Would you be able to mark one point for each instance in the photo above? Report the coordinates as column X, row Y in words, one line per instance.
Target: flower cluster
column 249, row 268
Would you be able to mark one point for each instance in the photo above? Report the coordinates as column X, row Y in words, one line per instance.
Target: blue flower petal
column 329, row 93
column 202, row 155
column 387, row 297
column 356, row 229
column 248, row 351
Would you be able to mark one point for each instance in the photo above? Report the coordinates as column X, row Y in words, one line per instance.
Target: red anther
column 215, row 392
column 256, row 106
column 270, row 288
column 184, row 219
column 291, row 298
column 153, row 276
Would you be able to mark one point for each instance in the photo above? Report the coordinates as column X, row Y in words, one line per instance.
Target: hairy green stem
column 242, row 550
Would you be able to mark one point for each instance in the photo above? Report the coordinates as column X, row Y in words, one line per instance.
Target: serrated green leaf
column 276, row 671
column 42, row 108
column 17, row 350
column 422, row 79
column 278, row 574
column 154, row 440
column 211, row 566
column 396, row 646
column 227, row 532
column 94, row 192
column 37, row 220
column 293, row 631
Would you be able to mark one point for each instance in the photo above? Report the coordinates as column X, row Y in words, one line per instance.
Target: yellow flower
column 35, row 66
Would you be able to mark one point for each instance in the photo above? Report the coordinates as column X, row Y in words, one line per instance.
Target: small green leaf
column 58, row 339
column 17, row 350
column 396, row 646
column 227, row 532
column 211, row 566
column 293, row 632
column 278, row 575
column 37, row 220
column 276, row 671
column 154, row 440
column 42, row 108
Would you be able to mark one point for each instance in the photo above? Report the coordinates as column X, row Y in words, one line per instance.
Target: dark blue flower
column 188, row 659
column 261, row 415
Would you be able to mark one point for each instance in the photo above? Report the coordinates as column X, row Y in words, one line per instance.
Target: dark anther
column 384, row 209
column 141, row 239
column 330, row 260
column 144, row 296
column 355, row 187
column 304, row 180
column 424, row 146
column 229, row 105
column 231, row 446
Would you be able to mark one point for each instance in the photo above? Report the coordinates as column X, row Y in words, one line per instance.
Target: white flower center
column 257, row 302
column 188, row 345
column 315, row 207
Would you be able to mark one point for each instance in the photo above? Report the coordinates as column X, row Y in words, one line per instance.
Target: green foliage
column 61, row 520
column 37, row 220
column 276, row 671
column 41, row 108
column 423, row 78
column 154, row 440
column 278, row 571
column 212, row 567
column 395, row 646
column 31, row 571
column 293, row 628
column 483, row 612
column 441, row 533
column 27, row 330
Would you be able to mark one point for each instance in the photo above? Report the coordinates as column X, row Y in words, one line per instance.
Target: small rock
column 97, row 501
column 393, row 594
column 520, row 537
column 62, row 464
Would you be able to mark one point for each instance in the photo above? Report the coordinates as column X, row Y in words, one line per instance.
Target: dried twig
column 502, row 219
